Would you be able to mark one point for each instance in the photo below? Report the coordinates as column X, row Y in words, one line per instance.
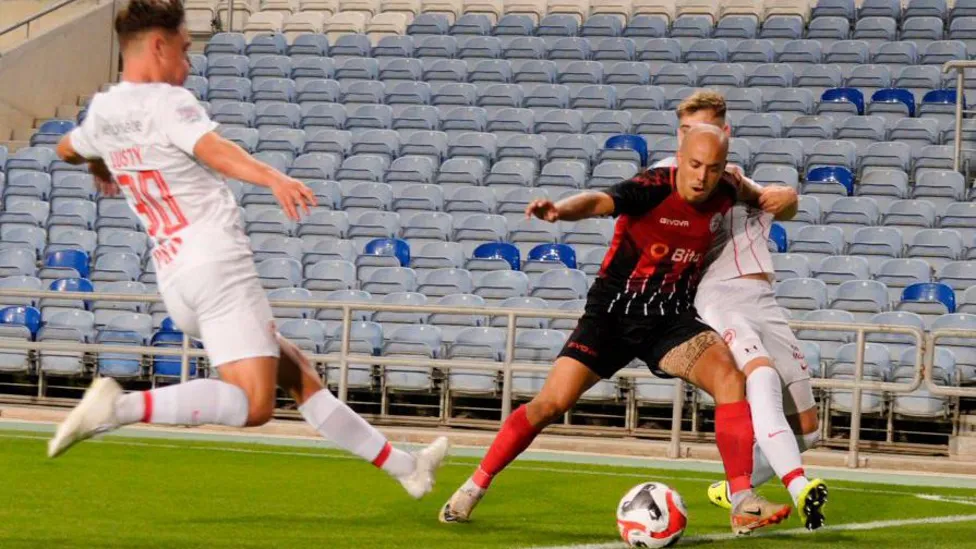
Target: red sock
column 514, row 437
column 734, row 438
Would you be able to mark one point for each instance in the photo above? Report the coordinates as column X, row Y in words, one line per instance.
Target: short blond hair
column 702, row 100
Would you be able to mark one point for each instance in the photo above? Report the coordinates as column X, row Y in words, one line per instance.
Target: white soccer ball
column 651, row 515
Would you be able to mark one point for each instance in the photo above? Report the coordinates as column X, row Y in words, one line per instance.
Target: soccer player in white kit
column 736, row 299
column 149, row 137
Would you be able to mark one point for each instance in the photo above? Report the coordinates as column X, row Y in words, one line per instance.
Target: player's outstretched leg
column 707, row 363
column 244, row 397
column 567, row 380
column 335, row 421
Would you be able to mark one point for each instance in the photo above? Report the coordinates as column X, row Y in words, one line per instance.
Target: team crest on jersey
column 716, row 223
column 188, row 114
column 728, row 336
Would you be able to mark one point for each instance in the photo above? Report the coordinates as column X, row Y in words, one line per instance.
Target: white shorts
column 223, row 304
column 744, row 311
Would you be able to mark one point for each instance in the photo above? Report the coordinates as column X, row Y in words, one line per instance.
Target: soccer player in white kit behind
column 157, row 142
column 736, row 299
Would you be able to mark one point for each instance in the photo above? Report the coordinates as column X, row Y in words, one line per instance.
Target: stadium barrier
column 921, row 373
column 961, row 109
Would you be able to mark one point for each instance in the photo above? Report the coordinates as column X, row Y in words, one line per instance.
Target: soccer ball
column 651, row 515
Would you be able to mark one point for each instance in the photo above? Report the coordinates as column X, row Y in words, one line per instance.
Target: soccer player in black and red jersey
column 642, row 305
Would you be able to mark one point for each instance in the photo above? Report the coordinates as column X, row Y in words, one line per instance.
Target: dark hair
column 142, row 15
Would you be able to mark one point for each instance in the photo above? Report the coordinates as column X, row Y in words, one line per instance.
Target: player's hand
column 777, row 198
column 543, row 209
column 104, row 182
column 293, row 196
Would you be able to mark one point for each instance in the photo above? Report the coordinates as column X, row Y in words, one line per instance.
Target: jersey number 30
column 155, row 201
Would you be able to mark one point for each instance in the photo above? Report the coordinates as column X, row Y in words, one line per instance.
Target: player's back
column 146, row 134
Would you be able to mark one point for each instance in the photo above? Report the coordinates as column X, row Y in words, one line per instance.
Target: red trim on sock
column 383, row 455
column 481, row 478
column 516, row 434
column 147, row 406
column 734, row 438
column 793, row 475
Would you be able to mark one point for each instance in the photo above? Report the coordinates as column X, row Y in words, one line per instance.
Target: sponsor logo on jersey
column 675, row 222
column 118, row 128
column 189, row 114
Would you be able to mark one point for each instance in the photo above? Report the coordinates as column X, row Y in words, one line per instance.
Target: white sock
column 338, row 423
column 737, row 497
column 809, row 440
column 762, row 472
column 773, row 433
column 197, row 402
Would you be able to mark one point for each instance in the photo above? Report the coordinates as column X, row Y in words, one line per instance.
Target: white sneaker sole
column 99, row 400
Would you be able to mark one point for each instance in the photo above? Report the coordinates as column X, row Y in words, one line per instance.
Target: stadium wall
column 56, row 67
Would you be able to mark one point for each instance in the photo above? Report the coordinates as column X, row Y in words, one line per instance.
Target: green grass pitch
column 152, row 493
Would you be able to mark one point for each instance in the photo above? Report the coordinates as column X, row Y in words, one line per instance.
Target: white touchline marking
column 540, row 469
column 875, row 525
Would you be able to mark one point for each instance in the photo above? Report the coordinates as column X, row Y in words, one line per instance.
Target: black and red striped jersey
column 657, row 256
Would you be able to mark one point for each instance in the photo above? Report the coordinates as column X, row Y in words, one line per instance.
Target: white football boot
column 95, row 414
column 421, row 480
column 462, row 503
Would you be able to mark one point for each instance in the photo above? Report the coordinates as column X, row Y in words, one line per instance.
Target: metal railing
column 26, row 22
column 960, row 68
column 921, row 371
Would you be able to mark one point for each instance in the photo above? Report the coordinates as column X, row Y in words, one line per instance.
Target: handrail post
column 960, row 97
column 344, row 353
column 230, row 16
column 674, row 449
column 855, row 434
column 507, row 371
column 185, row 360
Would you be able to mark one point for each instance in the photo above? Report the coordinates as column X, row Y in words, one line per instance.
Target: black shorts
column 605, row 343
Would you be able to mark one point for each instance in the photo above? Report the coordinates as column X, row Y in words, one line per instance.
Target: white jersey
column 741, row 249
column 146, row 133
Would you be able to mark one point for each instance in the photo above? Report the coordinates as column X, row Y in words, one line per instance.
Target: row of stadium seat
column 746, row 50
column 825, row 28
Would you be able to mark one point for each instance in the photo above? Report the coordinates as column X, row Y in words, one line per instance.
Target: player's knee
column 260, row 410
column 547, row 409
column 755, row 364
column 728, row 381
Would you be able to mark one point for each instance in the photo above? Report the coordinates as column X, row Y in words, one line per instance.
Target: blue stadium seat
column 928, row 299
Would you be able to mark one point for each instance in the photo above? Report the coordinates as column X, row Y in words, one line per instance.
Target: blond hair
column 702, row 100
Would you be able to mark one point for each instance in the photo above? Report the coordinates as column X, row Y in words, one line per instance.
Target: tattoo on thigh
column 680, row 360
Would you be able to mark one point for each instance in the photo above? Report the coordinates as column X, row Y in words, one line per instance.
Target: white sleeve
column 183, row 119
column 81, row 139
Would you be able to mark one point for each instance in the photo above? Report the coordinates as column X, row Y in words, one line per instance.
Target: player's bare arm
column 96, row 166
column 228, row 159
column 577, row 207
